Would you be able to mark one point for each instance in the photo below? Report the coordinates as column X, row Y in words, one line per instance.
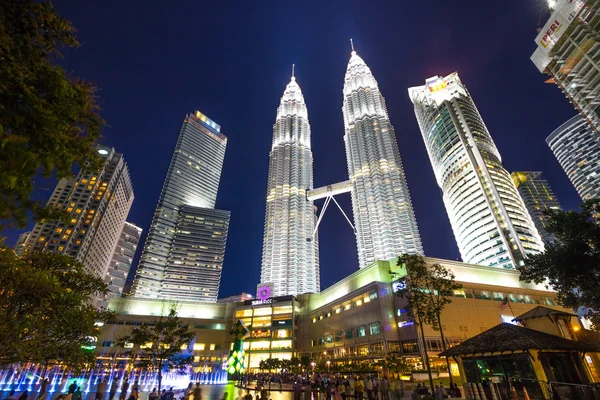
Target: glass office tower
column 538, row 197
column 189, row 190
column 489, row 219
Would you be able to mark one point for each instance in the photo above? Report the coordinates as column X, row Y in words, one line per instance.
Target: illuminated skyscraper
column 577, row 149
column 122, row 259
column 568, row 51
column 538, row 197
column 290, row 261
column 383, row 213
column 489, row 219
column 98, row 203
column 185, row 209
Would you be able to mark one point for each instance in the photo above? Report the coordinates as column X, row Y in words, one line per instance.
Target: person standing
column 113, row 389
column 399, row 389
column 369, row 388
column 153, row 395
column 384, row 388
column 101, row 389
column 456, row 392
column 339, row 390
column 77, row 394
column 438, row 393
column 11, row 395
column 72, row 387
column 197, row 392
column 297, row 391
column 43, row 389
column 359, row 388
column 124, row 389
column 134, row 394
column 188, row 392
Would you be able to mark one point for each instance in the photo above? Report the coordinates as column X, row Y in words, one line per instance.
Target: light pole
column 313, row 366
column 328, row 362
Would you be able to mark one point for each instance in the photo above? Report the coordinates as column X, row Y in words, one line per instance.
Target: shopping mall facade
column 356, row 320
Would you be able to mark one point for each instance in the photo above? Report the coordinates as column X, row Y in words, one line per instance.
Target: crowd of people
column 128, row 392
column 338, row 387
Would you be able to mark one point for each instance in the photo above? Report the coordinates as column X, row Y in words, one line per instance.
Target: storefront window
column 282, row 310
column 283, row 333
column 263, row 311
column 243, row 313
column 363, row 350
column 263, row 345
column 261, row 333
column 258, row 322
column 281, row 345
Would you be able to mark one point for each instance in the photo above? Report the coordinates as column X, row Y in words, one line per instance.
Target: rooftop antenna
column 352, row 44
column 293, row 66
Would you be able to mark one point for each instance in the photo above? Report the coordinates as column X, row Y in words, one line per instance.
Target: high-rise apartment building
column 539, row 198
column 489, row 219
column 98, row 203
column 186, row 208
column 568, row 50
column 122, row 259
column 21, row 244
column 577, row 148
column 383, row 213
column 290, row 261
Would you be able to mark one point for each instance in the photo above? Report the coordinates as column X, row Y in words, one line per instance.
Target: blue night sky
column 156, row 61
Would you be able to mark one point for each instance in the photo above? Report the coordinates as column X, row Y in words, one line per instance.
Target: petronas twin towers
column 384, row 219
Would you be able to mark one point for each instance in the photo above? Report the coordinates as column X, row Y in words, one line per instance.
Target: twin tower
column 385, row 223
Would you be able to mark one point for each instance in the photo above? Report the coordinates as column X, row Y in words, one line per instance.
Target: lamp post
column 312, row 364
column 328, row 363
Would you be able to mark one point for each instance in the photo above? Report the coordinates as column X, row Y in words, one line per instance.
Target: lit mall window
column 360, row 331
column 263, row 311
column 199, row 346
column 243, row 313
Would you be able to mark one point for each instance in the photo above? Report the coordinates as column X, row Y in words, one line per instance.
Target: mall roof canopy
column 508, row 338
column 540, row 311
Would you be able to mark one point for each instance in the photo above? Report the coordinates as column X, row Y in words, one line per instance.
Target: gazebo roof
column 509, row 338
column 541, row 311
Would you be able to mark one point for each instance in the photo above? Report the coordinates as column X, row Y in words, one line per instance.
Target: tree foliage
column 394, row 364
column 571, row 264
column 45, row 310
column 161, row 345
column 427, row 290
column 49, row 120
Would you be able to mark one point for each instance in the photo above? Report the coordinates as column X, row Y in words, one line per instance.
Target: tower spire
column 352, row 45
column 293, row 67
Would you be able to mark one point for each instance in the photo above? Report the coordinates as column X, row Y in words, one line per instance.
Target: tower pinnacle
column 293, row 67
column 352, row 45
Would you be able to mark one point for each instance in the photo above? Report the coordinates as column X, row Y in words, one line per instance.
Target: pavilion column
column 540, row 372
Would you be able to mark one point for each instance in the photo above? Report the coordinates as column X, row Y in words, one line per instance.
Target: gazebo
column 509, row 356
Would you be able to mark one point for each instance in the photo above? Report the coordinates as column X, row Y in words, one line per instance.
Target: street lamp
column 328, row 362
column 313, row 366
